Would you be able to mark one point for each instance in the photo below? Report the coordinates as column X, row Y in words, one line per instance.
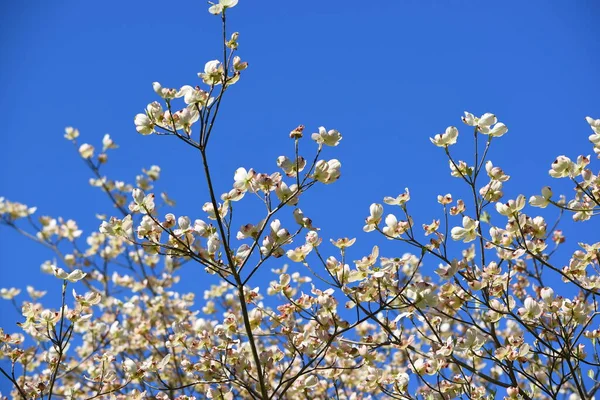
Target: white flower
column 86, row 150
column 243, row 179
column 141, row 202
column 185, row 118
column 543, row 200
column 547, row 295
column 195, row 96
column 484, row 124
column 143, row 124
column 468, row 232
column 285, row 193
column 74, row 276
column 166, row 93
column 71, row 133
column 485, row 121
column 218, row 8
column 374, row 218
column 107, row 143
column 9, row 294
column 447, row 138
column 495, row 173
column 238, row 65
column 594, row 124
column 213, row 72
column 531, row 310
column 291, row 168
column 302, row 220
column 469, row 119
column 327, row 171
column 511, row 207
column 498, row 130
column 391, row 227
column 328, row 138
column 299, row 253
column 213, row 244
column 398, row 201
column 561, row 167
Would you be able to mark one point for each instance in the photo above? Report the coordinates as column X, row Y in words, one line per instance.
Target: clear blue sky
column 388, row 75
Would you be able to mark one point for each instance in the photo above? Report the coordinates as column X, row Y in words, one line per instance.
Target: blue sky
column 388, row 75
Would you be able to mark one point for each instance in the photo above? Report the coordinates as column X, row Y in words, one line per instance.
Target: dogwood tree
column 486, row 324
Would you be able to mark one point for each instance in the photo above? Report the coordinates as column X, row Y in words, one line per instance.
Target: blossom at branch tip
column 400, row 200
column 496, row 173
column 272, row 243
column 117, row 227
column 150, row 229
column 595, row 125
column 466, row 233
column 71, row 133
column 291, row 167
column 448, row 138
column 547, row 295
column 69, row 230
column 444, row 199
column 287, row 193
column 368, row 261
column 166, row 93
column 326, row 137
column 243, row 179
column 374, row 218
column 327, row 171
column 531, row 310
column 141, row 203
column 213, row 244
column 213, row 73
column 185, row 118
column 108, row 143
column 303, row 221
column 561, row 167
column 74, row 276
column 86, row 151
column 233, row 195
column 449, row 270
column 9, row 294
column 492, row 191
column 431, row 228
column 484, row 124
column 543, row 200
column 460, row 170
column 595, row 138
column 87, row 300
column 185, row 226
column 203, row 229
column 343, row 243
column 195, row 96
column 238, row 64
column 221, row 6
column 512, row 207
column 210, row 210
column 145, row 123
column 395, row 228
column 313, row 239
column 299, row 253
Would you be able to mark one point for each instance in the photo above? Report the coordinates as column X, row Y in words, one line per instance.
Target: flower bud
column 297, row 132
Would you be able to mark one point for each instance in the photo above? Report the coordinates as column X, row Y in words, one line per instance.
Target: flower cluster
column 487, row 321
